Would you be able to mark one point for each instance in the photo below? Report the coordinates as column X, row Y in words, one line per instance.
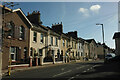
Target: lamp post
column 103, row 39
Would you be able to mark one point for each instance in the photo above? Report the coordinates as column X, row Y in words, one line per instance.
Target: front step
column 18, row 66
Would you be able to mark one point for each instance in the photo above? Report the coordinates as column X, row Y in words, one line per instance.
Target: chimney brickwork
column 58, row 27
column 34, row 17
column 73, row 34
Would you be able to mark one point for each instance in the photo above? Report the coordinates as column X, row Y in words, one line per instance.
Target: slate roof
column 90, row 40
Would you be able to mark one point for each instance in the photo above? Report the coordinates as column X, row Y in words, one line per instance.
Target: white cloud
column 84, row 11
column 95, row 8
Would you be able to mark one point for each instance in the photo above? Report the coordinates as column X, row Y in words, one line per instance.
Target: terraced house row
column 27, row 41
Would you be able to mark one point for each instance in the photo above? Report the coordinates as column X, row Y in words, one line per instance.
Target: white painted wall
column 37, row 45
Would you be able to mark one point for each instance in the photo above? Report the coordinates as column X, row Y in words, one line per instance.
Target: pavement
column 5, row 72
column 47, row 64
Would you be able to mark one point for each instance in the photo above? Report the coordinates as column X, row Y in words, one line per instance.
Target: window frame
column 22, row 32
column 51, row 39
column 56, row 41
column 11, row 27
column 63, row 42
column 13, row 53
column 35, row 37
column 40, row 53
column 41, row 38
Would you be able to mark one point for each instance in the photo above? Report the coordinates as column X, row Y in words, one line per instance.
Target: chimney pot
column 28, row 14
column 38, row 12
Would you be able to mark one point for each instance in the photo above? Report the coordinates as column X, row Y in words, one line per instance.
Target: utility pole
column 103, row 39
column 10, row 4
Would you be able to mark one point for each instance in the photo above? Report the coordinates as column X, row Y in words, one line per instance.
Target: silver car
column 109, row 56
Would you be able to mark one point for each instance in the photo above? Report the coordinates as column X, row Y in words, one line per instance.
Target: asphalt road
column 71, row 71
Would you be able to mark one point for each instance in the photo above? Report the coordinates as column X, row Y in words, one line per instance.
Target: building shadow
column 109, row 70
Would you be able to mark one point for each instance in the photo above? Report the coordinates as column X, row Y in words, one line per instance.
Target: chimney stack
column 34, row 17
column 58, row 27
column 73, row 34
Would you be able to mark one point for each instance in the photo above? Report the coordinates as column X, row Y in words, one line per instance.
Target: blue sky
column 79, row 16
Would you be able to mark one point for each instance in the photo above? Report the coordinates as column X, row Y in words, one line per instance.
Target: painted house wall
column 37, row 45
column 86, row 49
column 92, row 50
column 63, row 47
column 73, row 45
column 53, row 47
column 100, row 53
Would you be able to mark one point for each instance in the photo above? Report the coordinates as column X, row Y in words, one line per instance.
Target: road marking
column 77, row 75
column 70, row 78
column 80, row 67
column 62, row 73
column 94, row 65
column 84, row 71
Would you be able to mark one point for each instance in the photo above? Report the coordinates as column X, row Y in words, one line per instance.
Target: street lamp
column 103, row 39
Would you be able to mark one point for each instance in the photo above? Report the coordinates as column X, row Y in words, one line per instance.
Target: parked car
column 115, row 59
column 109, row 57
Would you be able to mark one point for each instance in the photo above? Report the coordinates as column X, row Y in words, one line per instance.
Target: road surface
column 71, row 71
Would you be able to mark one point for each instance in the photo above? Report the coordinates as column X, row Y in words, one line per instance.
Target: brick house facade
column 15, row 39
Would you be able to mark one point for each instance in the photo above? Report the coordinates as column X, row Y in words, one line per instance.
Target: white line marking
column 88, row 69
column 84, row 71
column 62, row 73
column 70, row 78
column 94, row 65
column 77, row 75
column 80, row 67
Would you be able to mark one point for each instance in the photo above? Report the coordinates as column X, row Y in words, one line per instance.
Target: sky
column 78, row 16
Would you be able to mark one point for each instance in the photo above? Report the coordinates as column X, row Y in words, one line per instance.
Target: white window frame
column 51, row 39
column 40, row 54
column 21, row 32
column 41, row 37
column 34, row 36
column 13, row 54
column 56, row 41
